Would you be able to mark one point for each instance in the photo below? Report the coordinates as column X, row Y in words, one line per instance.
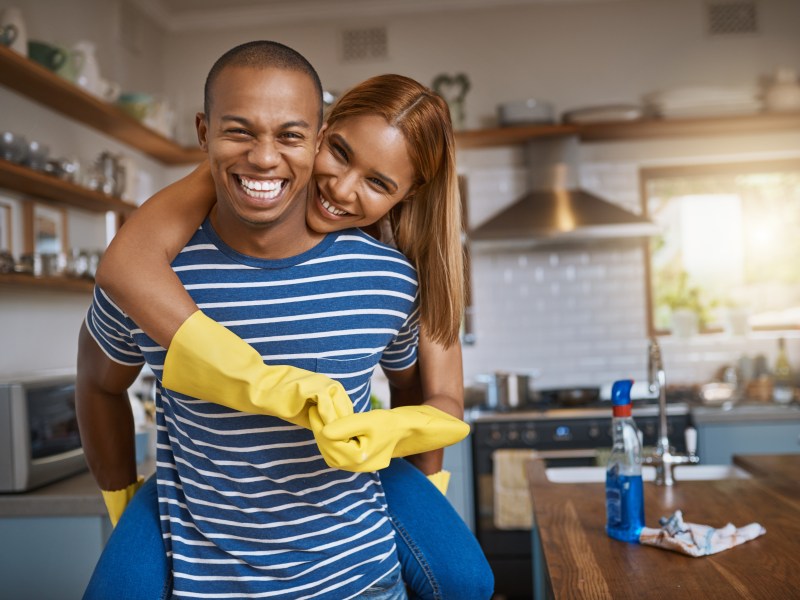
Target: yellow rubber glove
column 117, row 500
column 206, row 360
column 368, row 441
column 441, row 480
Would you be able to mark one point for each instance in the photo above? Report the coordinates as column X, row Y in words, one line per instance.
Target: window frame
column 647, row 174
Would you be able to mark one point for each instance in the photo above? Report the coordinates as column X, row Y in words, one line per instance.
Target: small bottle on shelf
column 624, row 492
column 782, row 378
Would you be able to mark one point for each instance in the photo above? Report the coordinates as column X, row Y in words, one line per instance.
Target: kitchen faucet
column 664, row 459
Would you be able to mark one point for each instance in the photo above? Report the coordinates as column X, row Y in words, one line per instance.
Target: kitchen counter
column 581, row 561
column 75, row 496
column 746, row 413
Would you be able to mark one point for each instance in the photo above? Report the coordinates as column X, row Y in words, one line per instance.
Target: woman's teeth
column 332, row 209
column 261, row 189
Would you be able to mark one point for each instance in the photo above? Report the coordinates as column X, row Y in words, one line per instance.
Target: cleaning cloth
column 697, row 540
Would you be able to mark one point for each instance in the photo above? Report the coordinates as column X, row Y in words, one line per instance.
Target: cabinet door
column 457, row 460
column 718, row 442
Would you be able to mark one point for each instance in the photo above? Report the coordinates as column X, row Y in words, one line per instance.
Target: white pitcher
column 13, row 16
column 88, row 75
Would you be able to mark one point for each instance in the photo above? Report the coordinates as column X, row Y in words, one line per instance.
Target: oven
column 562, row 436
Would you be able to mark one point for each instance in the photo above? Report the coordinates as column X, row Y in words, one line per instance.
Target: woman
column 350, row 189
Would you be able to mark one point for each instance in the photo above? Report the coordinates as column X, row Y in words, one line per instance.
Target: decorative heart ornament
column 453, row 88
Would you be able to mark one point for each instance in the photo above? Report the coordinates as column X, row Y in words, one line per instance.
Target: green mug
column 46, row 54
column 8, row 33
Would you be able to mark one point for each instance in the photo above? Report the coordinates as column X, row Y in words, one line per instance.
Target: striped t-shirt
column 249, row 509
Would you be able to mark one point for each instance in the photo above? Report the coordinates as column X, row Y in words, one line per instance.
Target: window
column 727, row 258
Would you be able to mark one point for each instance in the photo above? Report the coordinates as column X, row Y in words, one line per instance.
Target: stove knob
column 594, row 432
column 529, row 436
column 649, row 429
column 495, row 437
column 513, row 435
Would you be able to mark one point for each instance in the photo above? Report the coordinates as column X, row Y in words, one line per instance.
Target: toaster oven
column 39, row 438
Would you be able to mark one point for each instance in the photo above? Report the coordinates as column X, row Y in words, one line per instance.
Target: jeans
column 439, row 556
column 390, row 587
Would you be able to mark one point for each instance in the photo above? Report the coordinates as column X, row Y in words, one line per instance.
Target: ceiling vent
column 360, row 45
column 732, row 18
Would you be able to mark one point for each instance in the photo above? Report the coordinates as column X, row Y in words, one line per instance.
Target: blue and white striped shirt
column 249, row 509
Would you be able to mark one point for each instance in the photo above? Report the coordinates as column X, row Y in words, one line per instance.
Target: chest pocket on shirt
column 354, row 374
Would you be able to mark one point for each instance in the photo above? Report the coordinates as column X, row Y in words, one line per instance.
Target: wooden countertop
column 583, row 562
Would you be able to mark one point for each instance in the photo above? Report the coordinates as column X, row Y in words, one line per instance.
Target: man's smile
column 261, row 189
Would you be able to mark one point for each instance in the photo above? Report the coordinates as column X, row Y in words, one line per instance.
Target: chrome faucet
column 664, row 459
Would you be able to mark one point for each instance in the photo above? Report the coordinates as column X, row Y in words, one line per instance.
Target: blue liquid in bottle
column 624, row 491
column 624, row 509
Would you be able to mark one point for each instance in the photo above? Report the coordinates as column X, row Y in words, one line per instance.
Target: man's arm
column 104, row 415
column 436, row 379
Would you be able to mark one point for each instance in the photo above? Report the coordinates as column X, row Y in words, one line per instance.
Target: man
column 248, row 505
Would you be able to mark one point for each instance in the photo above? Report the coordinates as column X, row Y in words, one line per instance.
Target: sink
column 681, row 472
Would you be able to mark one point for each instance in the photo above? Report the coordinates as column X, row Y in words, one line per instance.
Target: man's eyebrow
column 388, row 180
column 288, row 125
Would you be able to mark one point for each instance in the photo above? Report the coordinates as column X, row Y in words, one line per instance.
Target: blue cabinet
column 458, row 460
column 763, row 429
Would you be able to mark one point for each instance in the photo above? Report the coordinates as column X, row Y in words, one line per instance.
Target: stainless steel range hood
column 557, row 211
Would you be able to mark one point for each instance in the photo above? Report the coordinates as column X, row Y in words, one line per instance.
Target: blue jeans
column 439, row 556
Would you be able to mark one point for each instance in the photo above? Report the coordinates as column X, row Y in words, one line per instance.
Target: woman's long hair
column 427, row 224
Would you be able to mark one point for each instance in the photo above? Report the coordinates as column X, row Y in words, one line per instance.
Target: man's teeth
column 261, row 189
column 332, row 209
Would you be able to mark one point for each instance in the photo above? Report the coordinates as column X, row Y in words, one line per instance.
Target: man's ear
column 320, row 137
column 201, row 124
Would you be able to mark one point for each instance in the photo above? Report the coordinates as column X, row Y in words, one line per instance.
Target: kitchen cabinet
column 747, row 429
column 458, row 460
column 63, row 526
column 631, row 130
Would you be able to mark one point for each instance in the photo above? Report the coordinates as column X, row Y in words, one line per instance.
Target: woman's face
column 361, row 171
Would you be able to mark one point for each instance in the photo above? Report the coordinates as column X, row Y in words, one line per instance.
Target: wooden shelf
column 38, row 83
column 632, row 130
column 502, row 136
column 61, row 284
column 49, row 187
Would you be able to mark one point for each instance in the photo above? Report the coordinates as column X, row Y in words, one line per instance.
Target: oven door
column 503, row 512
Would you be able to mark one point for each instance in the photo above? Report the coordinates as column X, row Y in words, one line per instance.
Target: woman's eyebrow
column 388, row 180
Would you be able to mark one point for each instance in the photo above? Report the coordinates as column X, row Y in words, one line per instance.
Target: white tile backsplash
column 578, row 315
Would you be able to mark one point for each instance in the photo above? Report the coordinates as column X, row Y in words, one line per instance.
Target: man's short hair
column 262, row 54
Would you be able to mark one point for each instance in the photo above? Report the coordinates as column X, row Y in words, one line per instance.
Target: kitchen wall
column 578, row 316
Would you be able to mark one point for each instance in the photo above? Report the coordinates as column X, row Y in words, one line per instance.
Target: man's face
column 261, row 137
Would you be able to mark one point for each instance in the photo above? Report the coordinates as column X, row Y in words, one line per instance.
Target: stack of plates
column 704, row 101
column 603, row 114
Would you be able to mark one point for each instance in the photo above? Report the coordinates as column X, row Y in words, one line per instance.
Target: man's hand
column 368, row 441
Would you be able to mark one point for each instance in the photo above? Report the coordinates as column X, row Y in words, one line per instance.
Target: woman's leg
column 133, row 565
column 440, row 556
